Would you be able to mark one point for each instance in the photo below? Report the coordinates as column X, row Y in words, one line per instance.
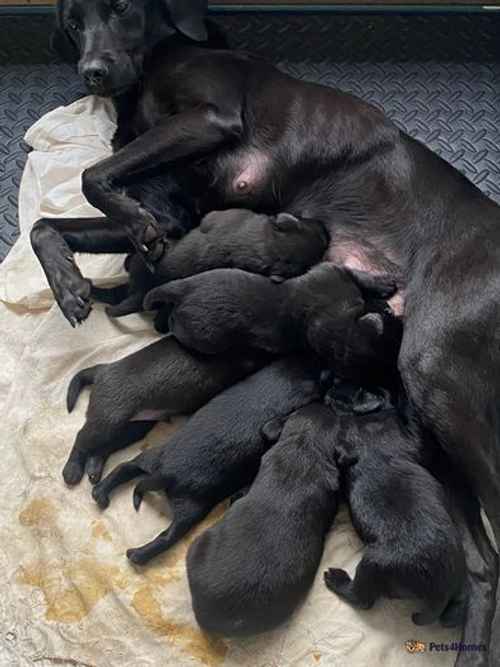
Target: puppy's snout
column 95, row 74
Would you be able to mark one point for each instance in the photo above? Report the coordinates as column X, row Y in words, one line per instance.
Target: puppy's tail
column 165, row 295
column 81, row 380
column 153, row 483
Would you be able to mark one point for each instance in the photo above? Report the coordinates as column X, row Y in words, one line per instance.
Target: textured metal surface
column 438, row 77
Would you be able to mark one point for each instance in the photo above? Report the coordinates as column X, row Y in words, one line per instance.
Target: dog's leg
column 187, row 513
column 113, row 296
column 120, row 475
column 96, row 441
column 474, row 607
column 361, row 592
column 447, row 405
column 55, row 241
column 129, row 305
column 190, row 134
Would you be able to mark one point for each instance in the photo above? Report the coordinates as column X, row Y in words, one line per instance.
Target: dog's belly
column 352, row 255
column 243, row 178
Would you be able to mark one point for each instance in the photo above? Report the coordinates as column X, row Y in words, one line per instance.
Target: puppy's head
column 349, row 323
column 348, row 398
column 109, row 39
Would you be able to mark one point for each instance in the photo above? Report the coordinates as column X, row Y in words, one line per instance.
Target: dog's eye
column 121, row 6
column 73, row 26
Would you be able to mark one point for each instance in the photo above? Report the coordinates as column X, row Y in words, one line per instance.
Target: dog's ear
column 62, row 45
column 379, row 287
column 60, row 41
column 366, row 402
column 271, row 430
column 283, row 221
column 188, row 16
column 372, row 323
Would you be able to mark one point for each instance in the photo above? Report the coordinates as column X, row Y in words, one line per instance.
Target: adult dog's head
column 109, row 39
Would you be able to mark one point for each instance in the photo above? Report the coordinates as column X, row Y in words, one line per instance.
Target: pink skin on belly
column 352, row 256
column 253, row 173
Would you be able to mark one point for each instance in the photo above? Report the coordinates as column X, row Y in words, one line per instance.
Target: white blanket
column 69, row 596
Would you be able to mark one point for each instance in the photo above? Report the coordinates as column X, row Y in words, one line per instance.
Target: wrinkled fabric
column 69, row 596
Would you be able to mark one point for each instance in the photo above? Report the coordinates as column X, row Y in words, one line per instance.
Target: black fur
column 279, row 246
column 162, row 379
column 327, row 310
column 250, row 571
column 401, row 512
column 217, row 452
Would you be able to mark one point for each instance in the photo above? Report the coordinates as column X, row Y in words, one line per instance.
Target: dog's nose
column 95, row 75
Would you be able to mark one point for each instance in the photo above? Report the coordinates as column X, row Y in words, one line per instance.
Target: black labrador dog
column 339, row 314
column 317, row 153
column 279, row 246
column 128, row 397
column 280, row 523
column 399, row 509
column 218, row 451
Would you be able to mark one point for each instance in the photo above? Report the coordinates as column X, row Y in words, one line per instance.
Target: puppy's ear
column 366, row 402
column 283, row 221
column 62, row 45
column 271, row 430
column 188, row 16
column 379, row 287
column 372, row 323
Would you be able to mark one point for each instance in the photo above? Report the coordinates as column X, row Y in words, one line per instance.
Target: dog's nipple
column 242, row 185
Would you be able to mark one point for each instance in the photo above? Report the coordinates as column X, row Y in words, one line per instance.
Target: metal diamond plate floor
column 438, row 77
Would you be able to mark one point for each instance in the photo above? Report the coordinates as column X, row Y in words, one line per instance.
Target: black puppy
column 130, row 395
column 279, row 246
column 250, row 571
column 326, row 310
column 217, row 452
column 401, row 512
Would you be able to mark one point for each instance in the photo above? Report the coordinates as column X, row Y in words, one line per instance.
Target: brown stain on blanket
column 207, row 650
column 38, row 512
column 72, row 590
column 100, row 532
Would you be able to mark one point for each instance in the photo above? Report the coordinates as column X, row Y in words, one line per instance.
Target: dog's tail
column 82, row 379
column 165, row 295
column 153, row 483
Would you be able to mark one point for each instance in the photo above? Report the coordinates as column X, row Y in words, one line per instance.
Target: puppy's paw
column 73, row 472
column 94, row 468
column 100, row 496
column 136, row 556
column 336, row 579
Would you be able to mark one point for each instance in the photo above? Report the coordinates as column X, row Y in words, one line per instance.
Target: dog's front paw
column 72, row 293
column 336, row 579
column 100, row 496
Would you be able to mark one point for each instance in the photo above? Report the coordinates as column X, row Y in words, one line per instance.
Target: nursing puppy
column 279, row 246
column 250, row 571
column 217, row 452
column 337, row 313
column 132, row 394
column 400, row 511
